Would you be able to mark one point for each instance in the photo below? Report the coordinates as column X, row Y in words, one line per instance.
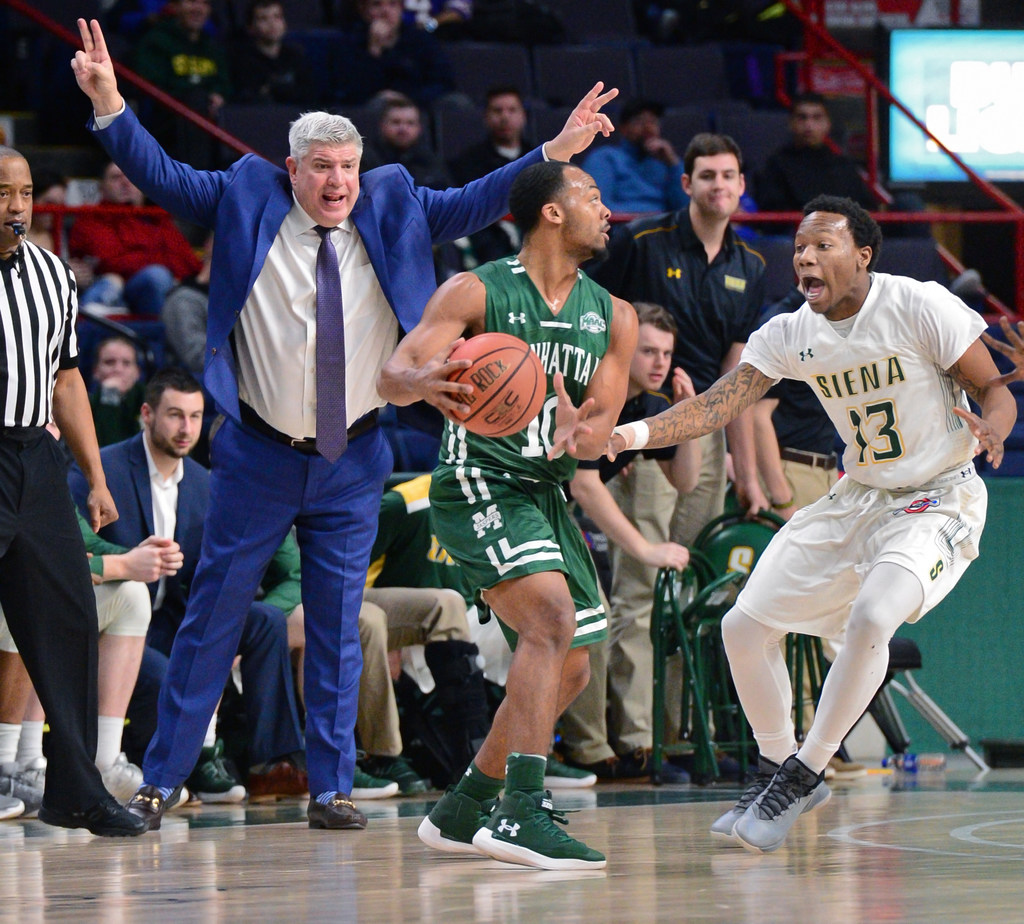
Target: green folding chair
column 734, row 542
column 684, row 618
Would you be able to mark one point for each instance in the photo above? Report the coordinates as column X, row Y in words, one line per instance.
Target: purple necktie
column 331, row 425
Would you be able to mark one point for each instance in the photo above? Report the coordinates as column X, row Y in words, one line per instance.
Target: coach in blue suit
column 269, row 466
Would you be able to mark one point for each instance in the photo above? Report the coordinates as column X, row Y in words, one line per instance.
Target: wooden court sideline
column 945, row 850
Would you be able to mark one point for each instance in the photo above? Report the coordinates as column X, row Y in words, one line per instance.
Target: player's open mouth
column 812, row 287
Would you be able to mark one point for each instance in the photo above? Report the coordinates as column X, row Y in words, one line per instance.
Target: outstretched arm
column 710, row 411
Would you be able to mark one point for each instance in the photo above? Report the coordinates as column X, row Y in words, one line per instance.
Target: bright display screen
column 967, row 86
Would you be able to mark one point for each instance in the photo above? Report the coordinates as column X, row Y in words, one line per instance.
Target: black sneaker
column 722, row 829
column 105, row 819
column 793, row 790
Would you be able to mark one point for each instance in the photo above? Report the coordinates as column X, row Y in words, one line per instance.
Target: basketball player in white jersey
column 892, row 361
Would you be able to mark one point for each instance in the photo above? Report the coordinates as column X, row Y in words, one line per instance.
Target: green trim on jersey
column 572, row 342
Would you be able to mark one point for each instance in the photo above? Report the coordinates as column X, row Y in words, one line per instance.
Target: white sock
column 9, row 735
column 108, row 740
column 30, row 745
column 211, row 733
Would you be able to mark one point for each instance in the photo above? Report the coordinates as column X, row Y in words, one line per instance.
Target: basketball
column 508, row 382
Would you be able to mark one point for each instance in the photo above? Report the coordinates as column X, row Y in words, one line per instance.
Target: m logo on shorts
column 593, row 323
column 491, row 519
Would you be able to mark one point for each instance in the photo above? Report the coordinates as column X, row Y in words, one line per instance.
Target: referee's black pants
column 47, row 597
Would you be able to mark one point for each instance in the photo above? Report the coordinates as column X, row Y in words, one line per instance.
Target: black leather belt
column 307, row 445
column 813, row 459
column 22, row 434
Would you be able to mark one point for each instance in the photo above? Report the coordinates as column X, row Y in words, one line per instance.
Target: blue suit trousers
column 258, row 489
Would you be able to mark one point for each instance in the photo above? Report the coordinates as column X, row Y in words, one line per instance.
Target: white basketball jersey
column 885, row 385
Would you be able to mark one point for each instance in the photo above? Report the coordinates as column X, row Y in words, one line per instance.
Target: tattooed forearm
column 712, row 410
column 974, row 391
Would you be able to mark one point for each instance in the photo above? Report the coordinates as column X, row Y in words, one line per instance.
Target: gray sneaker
column 11, row 807
column 722, row 829
column 793, row 790
column 19, row 785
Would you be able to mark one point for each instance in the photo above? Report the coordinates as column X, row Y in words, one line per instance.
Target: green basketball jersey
column 571, row 342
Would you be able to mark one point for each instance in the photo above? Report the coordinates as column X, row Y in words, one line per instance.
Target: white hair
column 321, row 128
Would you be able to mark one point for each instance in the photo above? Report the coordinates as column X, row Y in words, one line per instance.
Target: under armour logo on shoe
column 510, row 829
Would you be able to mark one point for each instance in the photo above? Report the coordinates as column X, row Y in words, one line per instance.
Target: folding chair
column 681, row 620
column 904, row 657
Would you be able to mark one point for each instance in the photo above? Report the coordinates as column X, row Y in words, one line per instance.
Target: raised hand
column 94, row 70
column 583, row 124
column 682, row 385
column 570, row 421
column 1013, row 350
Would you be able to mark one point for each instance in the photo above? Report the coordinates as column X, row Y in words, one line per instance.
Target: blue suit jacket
column 246, row 204
column 127, row 473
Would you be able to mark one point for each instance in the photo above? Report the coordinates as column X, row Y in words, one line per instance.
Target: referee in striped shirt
column 45, row 587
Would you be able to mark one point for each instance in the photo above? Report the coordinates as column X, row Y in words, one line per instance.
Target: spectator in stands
column 400, row 141
column 383, row 55
column 182, row 59
column 642, row 172
column 692, row 263
column 154, row 482
column 117, row 393
column 446, row 18
column 504, row 121
column 264, row 67
column 184, row 316
column 136, row 258
column 806, row 166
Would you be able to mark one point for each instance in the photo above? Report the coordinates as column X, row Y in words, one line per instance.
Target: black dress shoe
column 340, row 812
column 106, row 819
column 149, row 805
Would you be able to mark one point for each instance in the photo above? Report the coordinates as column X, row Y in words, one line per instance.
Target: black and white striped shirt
column 38, row 310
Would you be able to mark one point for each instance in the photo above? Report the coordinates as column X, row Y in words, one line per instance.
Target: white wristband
column 641, row 434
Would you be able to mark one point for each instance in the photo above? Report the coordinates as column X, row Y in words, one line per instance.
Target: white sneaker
column 26, row 787
column 122, row 778
column 11, row 807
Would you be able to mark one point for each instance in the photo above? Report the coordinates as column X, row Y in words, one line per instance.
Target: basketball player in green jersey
column 498, row 506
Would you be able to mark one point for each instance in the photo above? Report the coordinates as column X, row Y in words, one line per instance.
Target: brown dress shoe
column 149, row 805
column 281, row 778
column 340, row 812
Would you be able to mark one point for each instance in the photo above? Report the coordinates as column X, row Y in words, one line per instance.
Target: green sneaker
column 365, row 786
column 522, row 830
column 453, row 821
column 397, row 770
column 210, row 780
column 561, row 776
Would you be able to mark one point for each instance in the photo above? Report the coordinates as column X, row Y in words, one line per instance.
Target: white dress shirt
column 275, row 338
column 165, row 506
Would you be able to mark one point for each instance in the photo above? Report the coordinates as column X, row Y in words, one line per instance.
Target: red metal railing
column 124, row 73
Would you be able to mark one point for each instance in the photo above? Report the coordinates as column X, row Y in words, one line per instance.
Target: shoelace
column 551, row 814
column 757, row 786
column 781, row 793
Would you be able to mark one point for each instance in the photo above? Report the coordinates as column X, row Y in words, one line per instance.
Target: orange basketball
column 508, row 382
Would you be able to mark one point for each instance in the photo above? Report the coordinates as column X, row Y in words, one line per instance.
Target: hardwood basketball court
column 950, row 849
